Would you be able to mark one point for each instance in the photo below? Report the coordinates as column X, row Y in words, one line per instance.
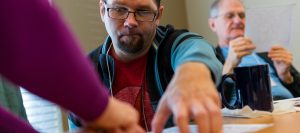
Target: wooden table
column 285, row 123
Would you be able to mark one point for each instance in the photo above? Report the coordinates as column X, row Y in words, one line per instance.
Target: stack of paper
column 280, row 107
column 227, row 128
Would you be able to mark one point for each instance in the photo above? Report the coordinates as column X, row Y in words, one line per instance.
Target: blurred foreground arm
column 41, row 55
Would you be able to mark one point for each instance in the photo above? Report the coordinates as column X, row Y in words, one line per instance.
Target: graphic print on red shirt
column 128, row 83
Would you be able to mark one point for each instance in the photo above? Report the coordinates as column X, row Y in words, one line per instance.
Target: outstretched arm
column 40, row 54
column 192, row 92
column 190, row 95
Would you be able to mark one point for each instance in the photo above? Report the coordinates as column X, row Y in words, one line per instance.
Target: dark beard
column 132, row 46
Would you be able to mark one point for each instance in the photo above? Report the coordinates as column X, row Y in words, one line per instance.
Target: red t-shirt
column 129, row 80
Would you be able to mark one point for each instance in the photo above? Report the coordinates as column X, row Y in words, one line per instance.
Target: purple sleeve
column 38, row 52
column 11, row 124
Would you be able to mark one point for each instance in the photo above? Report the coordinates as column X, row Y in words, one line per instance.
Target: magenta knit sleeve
column 38, row 52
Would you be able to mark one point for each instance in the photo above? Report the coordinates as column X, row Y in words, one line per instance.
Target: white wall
column 174, row 13
column 198, row 10
column 197, row 17
column 84, row 19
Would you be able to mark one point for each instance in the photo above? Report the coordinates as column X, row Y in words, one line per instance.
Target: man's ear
column 212, row 24
column 159, row 15
column 102, row 9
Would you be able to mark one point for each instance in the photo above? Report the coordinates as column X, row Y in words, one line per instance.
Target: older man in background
column 227, row 20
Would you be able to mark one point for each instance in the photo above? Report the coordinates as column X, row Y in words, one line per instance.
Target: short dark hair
column 157, row 2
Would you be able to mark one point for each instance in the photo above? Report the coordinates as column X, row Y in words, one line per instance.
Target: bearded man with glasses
column 139, row 65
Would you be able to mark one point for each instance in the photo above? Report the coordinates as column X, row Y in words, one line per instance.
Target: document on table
column 227, row 128
column 280, row 107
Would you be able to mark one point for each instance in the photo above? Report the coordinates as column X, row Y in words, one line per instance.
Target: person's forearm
column 39, row 53
column 193, row 71
column 11, row 124
column 227, row 68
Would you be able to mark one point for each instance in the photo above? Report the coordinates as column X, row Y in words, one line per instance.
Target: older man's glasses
column 231, row 15
column 123, row 13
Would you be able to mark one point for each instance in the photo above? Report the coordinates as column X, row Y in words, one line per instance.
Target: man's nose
column 130, row 21
column 237, row 19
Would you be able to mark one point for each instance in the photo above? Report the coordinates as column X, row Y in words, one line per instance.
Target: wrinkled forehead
column 134, row 4
column 227, row 6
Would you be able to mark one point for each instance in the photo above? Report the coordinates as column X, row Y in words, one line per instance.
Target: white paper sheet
column 227, row 128
column 268, row 26
column 280, row 107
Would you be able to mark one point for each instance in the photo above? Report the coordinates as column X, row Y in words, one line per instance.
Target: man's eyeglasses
column 231, row 15
column 123, row 13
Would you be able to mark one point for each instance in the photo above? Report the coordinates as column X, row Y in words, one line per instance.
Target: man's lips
column 238, row 27
column 130, row 34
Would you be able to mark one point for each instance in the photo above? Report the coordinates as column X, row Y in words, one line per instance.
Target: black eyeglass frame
column 155, row 13
column 231, row 15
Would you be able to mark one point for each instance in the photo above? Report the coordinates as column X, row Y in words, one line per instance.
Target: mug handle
column 222, row 90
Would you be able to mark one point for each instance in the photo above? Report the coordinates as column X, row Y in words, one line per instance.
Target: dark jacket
column 169, row 50
column 294, row 87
